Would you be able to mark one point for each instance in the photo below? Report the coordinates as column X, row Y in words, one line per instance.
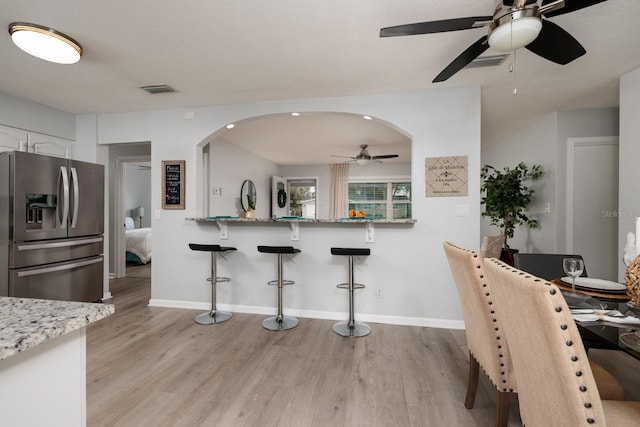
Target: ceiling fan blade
column 435, row 26
column 556, row 45
column 463, row 59
column 345, row 157
column 570, row 6
column 385, row 156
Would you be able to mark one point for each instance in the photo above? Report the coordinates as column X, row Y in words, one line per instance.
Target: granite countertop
column 303, row 220
column 25, row 323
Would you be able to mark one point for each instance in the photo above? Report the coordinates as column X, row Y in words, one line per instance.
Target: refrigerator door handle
column 76, row 197
column 58, row 268
column 65, row 196
column 59, row 244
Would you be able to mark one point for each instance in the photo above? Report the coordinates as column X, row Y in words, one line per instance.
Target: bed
column 138, row 243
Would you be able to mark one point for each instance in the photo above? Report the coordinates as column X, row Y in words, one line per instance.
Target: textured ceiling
column 241, row 51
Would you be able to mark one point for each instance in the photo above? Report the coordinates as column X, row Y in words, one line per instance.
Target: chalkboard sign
column 173, row 176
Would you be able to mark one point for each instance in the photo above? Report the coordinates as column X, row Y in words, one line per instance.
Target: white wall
column 231, row 165
column 408, row 263
column 629, row 185
column 34, row 117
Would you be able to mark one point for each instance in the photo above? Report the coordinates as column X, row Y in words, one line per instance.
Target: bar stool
column 214, row 315
column 351, row 328
column 279, row 322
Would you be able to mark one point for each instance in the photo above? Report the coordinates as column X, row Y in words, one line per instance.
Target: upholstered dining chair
column 545, row 266
column 483, row 330
column 556, row 385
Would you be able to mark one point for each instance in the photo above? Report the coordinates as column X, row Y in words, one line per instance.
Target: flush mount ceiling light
column 45, row 43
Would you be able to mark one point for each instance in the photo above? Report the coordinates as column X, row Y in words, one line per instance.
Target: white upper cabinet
column 13, row 139
column 51, row 145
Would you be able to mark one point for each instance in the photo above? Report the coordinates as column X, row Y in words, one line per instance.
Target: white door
column 592, row 223
column 279, row 197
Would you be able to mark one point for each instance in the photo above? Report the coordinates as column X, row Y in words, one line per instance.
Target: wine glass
column 573, row 267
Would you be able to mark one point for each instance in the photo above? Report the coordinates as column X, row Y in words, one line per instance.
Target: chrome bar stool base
column 357, row 329
column 214, row 315
column 274, row 324
column 279, row 322
column 351, row 328
column 210, row 318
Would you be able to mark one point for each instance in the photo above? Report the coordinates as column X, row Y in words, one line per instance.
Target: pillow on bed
column 129, row 224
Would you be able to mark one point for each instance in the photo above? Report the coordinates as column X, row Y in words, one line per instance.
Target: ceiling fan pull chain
column 512, row 69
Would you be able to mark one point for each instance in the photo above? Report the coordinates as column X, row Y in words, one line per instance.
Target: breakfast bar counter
column 43, row 360
column 294, row 223
column 291, row 219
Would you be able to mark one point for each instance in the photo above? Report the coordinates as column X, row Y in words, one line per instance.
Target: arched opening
column 300, row 149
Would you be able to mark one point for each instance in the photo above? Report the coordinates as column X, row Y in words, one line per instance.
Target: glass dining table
column 614, row 336
column 599, row 325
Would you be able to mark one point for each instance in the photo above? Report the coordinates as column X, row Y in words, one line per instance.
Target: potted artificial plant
column 506, row 196
column 251, row 207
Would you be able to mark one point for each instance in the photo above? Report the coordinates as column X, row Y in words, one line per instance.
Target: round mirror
column 248, row 196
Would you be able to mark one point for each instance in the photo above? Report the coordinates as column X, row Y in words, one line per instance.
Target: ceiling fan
column 514, row 24
column 364, row 158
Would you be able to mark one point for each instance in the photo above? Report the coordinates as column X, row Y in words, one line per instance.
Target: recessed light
column 230, row 126
column 295, row 114
column 45, row 43
column 367, row 117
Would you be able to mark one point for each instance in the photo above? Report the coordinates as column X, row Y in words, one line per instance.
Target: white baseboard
column 107, row 295
column 314, row 314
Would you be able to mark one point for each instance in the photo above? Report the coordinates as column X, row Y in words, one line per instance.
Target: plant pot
column 250, row 214
column 506, row 256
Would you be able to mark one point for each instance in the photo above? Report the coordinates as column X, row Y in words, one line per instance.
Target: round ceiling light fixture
column 515, row 29
column 45, row 43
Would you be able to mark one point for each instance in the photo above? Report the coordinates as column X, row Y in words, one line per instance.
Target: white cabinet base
column 46, row 385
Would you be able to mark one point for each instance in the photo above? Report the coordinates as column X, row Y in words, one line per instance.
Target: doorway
column 592, row 204
column 133, row 209
column 302, row 196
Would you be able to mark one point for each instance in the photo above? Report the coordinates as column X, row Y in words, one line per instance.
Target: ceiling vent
column 153, row 89
column 487, row 61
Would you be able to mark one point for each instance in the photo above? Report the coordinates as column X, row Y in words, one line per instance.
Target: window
column 381, row 199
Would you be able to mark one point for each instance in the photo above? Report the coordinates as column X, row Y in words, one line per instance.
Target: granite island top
column 25, row 322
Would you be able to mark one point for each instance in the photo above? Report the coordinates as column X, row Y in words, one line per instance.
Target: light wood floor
column 151, row 366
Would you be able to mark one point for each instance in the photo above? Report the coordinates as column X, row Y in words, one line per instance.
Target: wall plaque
column 446, row 176
column 173, row 177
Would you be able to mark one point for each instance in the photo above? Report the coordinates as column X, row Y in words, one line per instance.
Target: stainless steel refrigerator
column 51, row 227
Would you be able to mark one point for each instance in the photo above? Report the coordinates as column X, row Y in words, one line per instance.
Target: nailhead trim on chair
column 563, row 327
column 494, row 320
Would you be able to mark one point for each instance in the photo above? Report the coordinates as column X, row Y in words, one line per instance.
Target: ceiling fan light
column 363, row 162
column 515, row 34
column 45, row 43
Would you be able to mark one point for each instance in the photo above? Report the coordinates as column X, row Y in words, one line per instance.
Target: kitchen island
column 43, row 360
